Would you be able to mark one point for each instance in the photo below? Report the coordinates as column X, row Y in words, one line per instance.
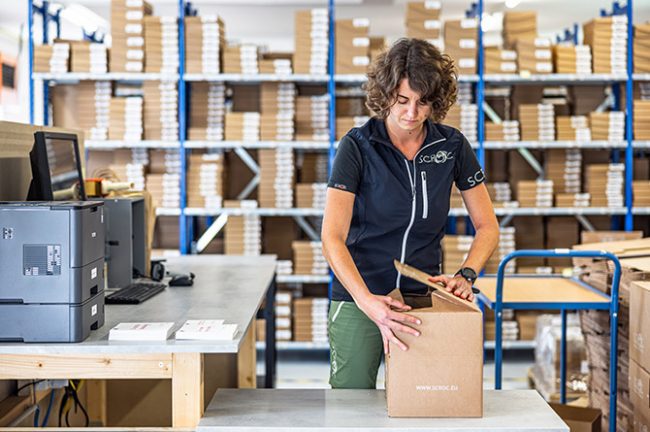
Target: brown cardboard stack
column 454, row 252
column 639, row 359
column 505, row 131
column 535, row 193
column 518, row 25
column 308, row 258
column 642, row 48
column 460, row 43
column 641, row 193
column 125, row 119
column 240, row 59
column 564, row 168
column 506, row 247
column 130, row 165
column 605, row 184
column 205, row 38
column 164, row 161
column 546, row 370
column 423, row 21
column 344, row 124
column 312, row 42
column 464, row 118
column 561, row 233
column 161, row 44
column 88, row 106
column 456, row 200
column 313, row 168
column 205, row 176
column 641, row 122
column 243, row 234
column 51, row 58
column 607, row 126
column 276, row 66
column 165, row 189
column 311, row 195
column 607, row 37
column 283, row 267
column 88, row 57
column 283, row 315
column 312, row 118
column 501, row 194
column 572, row 128
column 310, row 319
column 537, row 122
column 509, row 326
column 207, row 111
column 500, row 61
column 160, row 110
column 276, row 178
column 572, row 59
column 127, row 52
column 352, row 46
column 534, row 55
column 242, row 126
column 572, row 200
column 527, row 323
column 278, row 105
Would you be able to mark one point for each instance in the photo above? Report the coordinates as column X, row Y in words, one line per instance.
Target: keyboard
column 135, row 293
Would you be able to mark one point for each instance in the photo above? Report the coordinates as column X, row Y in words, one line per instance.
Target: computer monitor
column 56, row 168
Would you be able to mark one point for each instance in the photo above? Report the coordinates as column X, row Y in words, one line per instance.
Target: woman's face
column 408, row 112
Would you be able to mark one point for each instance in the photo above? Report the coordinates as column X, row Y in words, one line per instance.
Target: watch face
column 468, row 273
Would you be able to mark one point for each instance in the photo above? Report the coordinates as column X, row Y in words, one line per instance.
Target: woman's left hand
column 457, row 285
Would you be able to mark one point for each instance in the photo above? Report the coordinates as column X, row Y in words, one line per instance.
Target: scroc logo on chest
column 440, row 157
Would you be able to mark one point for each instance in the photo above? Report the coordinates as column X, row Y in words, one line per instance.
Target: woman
column 388, row 198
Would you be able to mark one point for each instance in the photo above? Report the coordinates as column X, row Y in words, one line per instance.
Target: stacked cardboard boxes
column 572, row 59
column 454, row 252
column 284, row 267
column 242, row 126
column 607, row 126
column 500, row 61
column 164, row 161
column 352, row 46
column 310, row 319
column 561, row 233
column 207, row 111
column 639, row 363
column 607, row 37
column 510, row 328
column 165, row 189
column 505, row 131
column 270, row 64
column 88, row 57
column 283, row 315
column 535, row 193
column 537, row 122
column 344, row 124
column 518, row 25
column 84, row 106
column 313, row 168
column 276, row 178
column 423, row 21
column 564, row 168
column 278, row 106
column 641, row 112
column 52, row 58
column 642, row 48
column 308, row 258
column 205, row 174
column 125, row 119
column 605, row 184
column 572, row 128
column 572, row 200
column 311, row 195
column 205, row 39
column 534, row 55
column 501, row 194
column 641, row 193
column 464, row 118
column 243, row 234
column 127, row 52
column 160, row 110
column 460, row 43
column 312, row 118
column 240, row 59
column 312, row 42
column 527, row 323
column 506, row 247
column 161, row 44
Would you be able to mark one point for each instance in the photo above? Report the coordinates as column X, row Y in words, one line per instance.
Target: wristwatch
column 468, row 274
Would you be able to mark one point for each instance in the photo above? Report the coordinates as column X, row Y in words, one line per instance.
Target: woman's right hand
column 388, row 314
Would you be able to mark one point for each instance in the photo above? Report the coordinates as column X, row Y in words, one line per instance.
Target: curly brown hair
column 430, row 73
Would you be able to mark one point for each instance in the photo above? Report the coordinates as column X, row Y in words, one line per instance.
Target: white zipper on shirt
column 413, row 201
column 425, row 197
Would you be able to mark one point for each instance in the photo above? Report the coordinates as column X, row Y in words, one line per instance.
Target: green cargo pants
column 356, row 347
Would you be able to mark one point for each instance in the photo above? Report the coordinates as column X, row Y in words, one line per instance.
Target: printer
column 51, row 270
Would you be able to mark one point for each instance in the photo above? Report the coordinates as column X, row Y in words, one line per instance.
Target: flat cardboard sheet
column 539, row 290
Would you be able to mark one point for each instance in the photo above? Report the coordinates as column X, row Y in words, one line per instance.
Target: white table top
column 231, row 288
column 244, row 410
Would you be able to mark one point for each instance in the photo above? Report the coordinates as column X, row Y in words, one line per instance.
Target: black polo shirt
column 401, row 206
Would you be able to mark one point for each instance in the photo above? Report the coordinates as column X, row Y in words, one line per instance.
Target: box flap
column 440, row 291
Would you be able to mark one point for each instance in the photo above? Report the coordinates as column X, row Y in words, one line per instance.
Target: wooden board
column 187, row 390
column 539, row 290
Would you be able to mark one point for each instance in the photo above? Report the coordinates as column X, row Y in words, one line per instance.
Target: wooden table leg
column 96, row 395
column 187, row 389
column 247, row 360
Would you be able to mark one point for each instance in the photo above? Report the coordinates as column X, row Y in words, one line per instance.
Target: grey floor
column 310, row 369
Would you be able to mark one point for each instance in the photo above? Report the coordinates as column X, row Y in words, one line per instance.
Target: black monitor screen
column 62, row 161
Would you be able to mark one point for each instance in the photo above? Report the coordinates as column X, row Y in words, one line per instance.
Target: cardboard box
column 640, row 392
column 577, row 418
column 441, row 374
column 640, row 324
